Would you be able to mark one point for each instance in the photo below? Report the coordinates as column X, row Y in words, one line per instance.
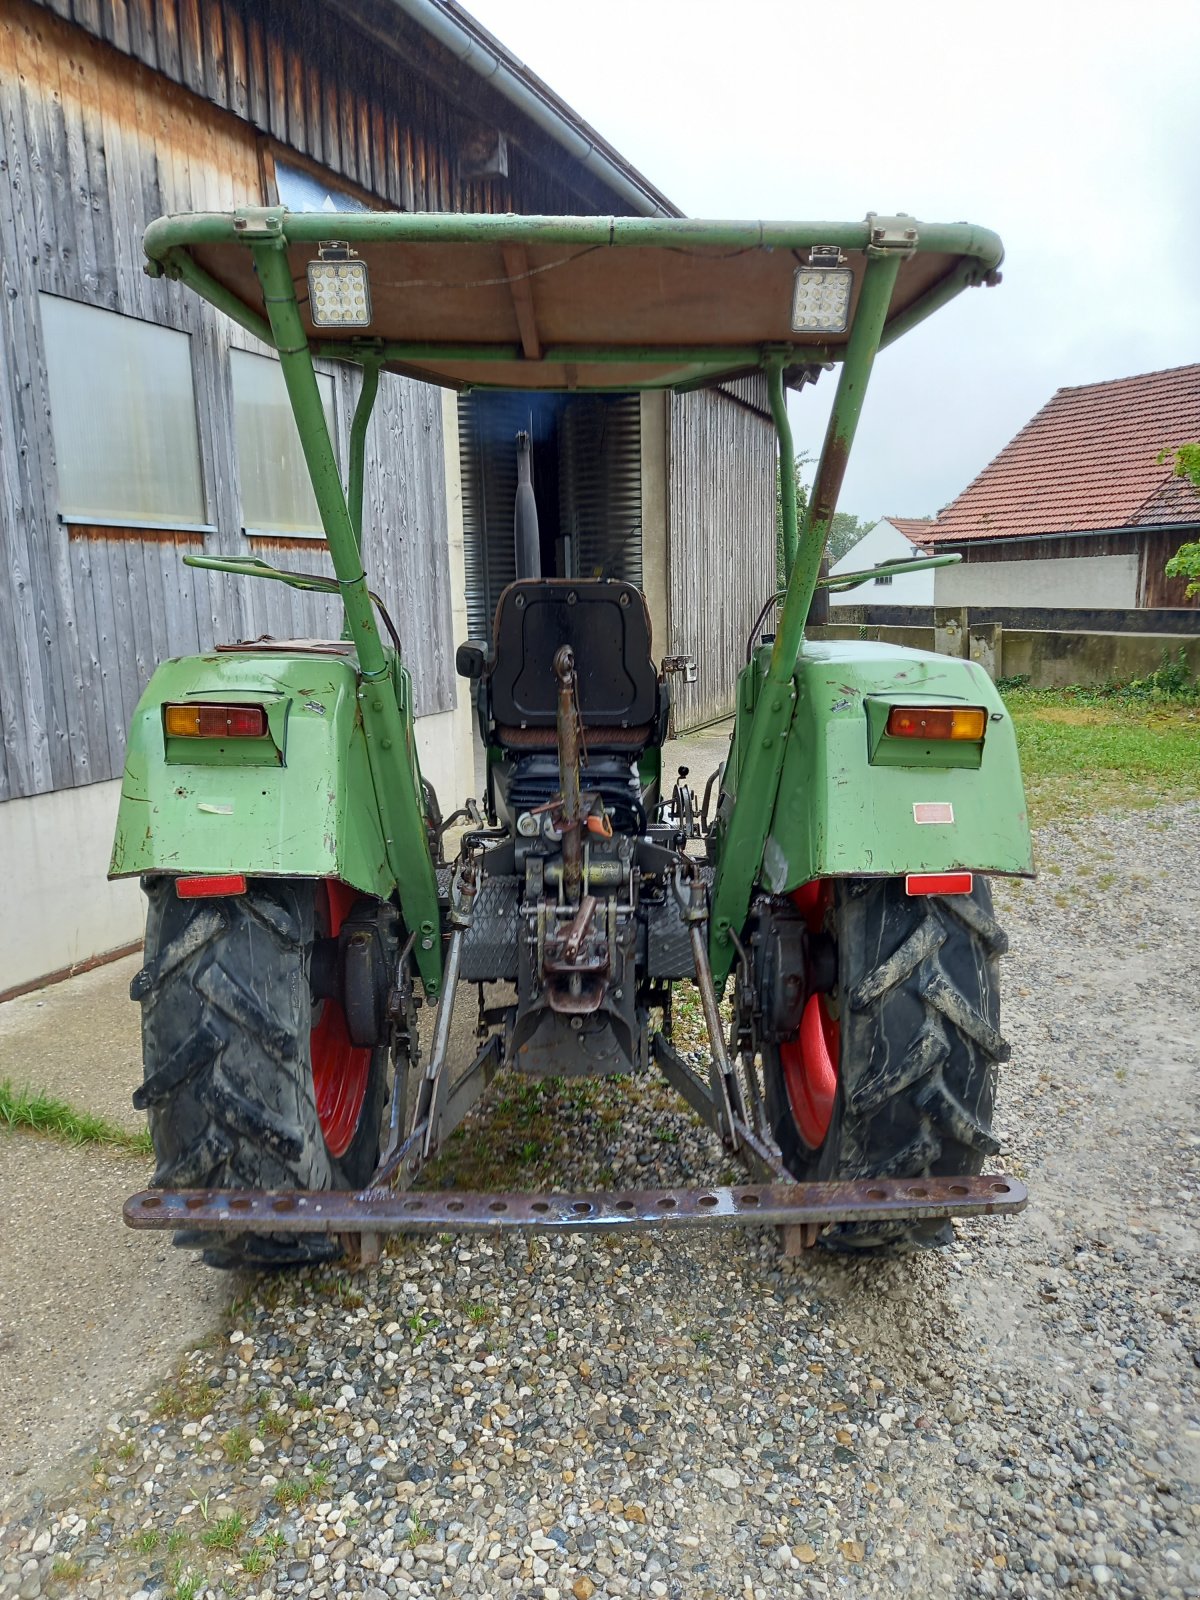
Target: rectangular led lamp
column 339, row 295
column 821, row 299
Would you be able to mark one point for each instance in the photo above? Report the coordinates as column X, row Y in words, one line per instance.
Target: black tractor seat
column 621, row 702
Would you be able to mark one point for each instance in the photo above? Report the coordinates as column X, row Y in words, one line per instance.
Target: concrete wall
column 1049, row 660
column 59, row 909
column 1057, row 660
column 883, row 543
column 1078, row 581
column 910, row 638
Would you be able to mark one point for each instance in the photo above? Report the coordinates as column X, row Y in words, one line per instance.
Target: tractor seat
column 607, row 625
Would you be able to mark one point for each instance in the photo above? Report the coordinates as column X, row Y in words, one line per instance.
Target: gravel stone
column 696, row 1416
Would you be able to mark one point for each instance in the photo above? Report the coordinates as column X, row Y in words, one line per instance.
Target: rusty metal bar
column 758, row 1157
column 387, row 1211
column 569, row 736
column 401, row 1166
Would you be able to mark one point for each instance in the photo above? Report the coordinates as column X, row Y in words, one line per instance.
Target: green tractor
column 301, row 906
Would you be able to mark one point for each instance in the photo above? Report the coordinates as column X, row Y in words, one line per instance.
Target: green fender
column 853, row 801
column 299, row 803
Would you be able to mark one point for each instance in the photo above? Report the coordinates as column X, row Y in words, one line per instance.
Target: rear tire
column 227, row 1020
column 913, row 1024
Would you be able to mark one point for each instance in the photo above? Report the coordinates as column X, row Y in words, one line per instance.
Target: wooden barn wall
column 721, row 542
column 94, row 146
column 295, row 70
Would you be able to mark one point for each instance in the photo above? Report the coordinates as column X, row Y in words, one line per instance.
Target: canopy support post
column 392, row 761
column 358, row 445
column 757, row 781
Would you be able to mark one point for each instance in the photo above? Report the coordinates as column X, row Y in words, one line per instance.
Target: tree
column 801, row 507
column 1185, row 563
column 845, row 531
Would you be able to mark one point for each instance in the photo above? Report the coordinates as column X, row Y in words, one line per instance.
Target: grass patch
column 187, row 1397
column 236, row 1445
column 1089, row 750
column 292, row 1491
column 66, row 1570
column 23, row 1108
column 226, row 1533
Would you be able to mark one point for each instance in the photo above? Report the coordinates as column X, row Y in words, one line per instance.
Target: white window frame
column 324, row 371
column 165, row 523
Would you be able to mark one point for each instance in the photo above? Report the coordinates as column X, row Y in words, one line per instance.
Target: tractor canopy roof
column 588, row 303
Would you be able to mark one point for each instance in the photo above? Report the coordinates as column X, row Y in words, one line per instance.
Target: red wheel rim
column 340, row 1068
column 810, row 1060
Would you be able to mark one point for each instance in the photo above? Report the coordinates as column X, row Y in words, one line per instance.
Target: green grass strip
column 23, row 1108
column 1086, row 751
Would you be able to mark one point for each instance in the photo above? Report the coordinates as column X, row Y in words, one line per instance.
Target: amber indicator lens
column 937, row 722
column 216, row 722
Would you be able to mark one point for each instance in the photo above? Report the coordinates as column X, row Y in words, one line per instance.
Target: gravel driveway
column 695, row 1416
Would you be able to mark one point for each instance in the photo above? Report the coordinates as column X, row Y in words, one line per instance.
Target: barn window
column 304, row 191
column 277, row 494
column 123, row 417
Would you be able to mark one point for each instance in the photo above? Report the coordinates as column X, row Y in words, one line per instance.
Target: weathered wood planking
column 365, row 114
column 95, row 146
column 721, row 541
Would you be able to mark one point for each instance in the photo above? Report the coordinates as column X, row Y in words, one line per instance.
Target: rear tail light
column 201, row 888
column 216, row 722
column 937, row 722
column 939, row 882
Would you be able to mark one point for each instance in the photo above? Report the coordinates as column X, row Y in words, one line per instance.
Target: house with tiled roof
column 1080, row 509
column 891, row 539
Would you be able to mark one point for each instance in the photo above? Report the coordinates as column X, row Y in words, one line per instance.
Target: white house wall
column 1078, row 582
column 883, row 543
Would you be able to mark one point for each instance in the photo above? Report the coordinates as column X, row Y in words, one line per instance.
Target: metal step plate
column 459, row 1211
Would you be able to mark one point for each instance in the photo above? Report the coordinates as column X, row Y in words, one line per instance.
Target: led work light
column 821, row 295
column 339, row 295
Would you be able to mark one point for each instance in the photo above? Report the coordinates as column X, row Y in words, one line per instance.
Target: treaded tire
column 919, row 1049
column 228, row 1086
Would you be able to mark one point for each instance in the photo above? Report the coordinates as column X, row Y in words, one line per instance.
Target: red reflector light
column 939, row 882
column 216, row 722
column 201, row 888
column 937, row 722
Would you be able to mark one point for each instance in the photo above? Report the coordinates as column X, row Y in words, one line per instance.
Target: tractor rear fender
column 854, row 800
column 295, row 802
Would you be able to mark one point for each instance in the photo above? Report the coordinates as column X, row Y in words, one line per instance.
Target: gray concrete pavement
column 79, row 1041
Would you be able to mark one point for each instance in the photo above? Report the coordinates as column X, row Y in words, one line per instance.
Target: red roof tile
column 1087, row 461
column 918, row 529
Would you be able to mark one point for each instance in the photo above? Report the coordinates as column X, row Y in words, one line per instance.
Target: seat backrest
column 607, row 626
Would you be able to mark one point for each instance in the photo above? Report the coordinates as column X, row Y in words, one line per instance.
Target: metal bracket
column 685, row 664
column 258, row 222
column 891, row 235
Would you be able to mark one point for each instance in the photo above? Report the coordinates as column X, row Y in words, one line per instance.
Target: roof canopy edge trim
column 254, row 223
column 485, row 56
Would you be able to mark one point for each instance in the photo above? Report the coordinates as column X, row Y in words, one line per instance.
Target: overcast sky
column 1071, row 129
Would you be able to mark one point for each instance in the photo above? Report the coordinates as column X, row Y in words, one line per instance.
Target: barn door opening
column 586, row 471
